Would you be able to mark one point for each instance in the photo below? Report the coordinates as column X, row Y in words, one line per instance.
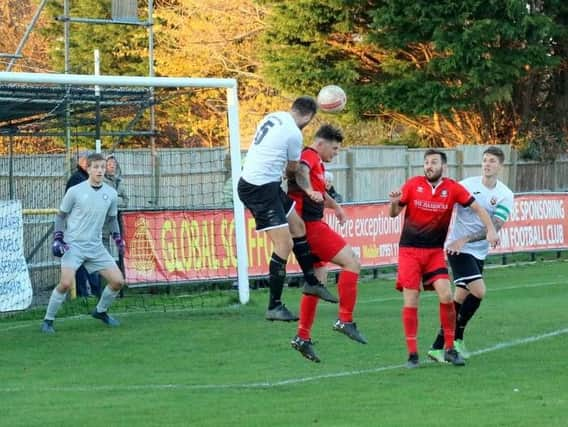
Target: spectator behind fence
column 113, row 177
column 81, row 275
column 228, row 185
column 330, row 189
column 80, row 174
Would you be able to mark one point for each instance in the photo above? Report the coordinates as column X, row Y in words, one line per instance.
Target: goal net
column 180, row 216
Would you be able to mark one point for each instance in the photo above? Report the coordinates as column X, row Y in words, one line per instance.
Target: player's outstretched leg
column 306, row 348
column 105, row 318
column 56, row 299
column 436, row 353
column 303, row 254
column 320, row 291
column 413, row 361
column 306, row 260
column 347, row 289
column 281, row 313
column 110, row 292
column 47, row 326
column 100, row 312
column 448, row 321
column 452, row 356
column 350, row 330
column 302, row 341
column 410, row 325
column 277, row 274
column 466, row 312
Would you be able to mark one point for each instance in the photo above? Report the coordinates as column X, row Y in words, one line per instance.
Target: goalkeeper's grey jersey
column 277, row 140
column 87, row 209
column 497, row 201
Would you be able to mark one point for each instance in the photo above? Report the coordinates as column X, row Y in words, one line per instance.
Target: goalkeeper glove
column 59, row 247
column 119, row 243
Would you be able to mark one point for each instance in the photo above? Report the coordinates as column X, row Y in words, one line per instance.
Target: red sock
column 347, row 289
column 448, row 321
column 308, row 308
column 410, row 323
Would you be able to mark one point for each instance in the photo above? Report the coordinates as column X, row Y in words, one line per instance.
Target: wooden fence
column 195, row 178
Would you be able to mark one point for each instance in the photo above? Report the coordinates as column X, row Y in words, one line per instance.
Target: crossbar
column 104, row 80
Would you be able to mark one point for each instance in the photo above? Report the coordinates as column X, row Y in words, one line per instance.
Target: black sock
column 467, row 310
column 439, row 341
column 457, row 307
column 305, row 259
column 277, row 275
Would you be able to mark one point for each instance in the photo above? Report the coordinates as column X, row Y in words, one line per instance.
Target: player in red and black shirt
column 309, row 192
column 429, row 201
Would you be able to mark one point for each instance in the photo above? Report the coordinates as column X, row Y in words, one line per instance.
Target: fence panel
column 194, row 178
column 376, row 172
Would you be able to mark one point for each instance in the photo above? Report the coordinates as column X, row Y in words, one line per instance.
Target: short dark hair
column 305, row 105
column 497, row 152
column 94, row 157
column 432, row 152
column 329, row 133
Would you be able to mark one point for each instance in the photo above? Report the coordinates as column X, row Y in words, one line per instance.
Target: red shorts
column 324, row 242
column 418, row 266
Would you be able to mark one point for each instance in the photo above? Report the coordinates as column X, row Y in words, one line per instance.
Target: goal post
column 171, row 82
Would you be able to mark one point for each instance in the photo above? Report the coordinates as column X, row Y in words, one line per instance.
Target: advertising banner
column 537, row 222
column 170, row 246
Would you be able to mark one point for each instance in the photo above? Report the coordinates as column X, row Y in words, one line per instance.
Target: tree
column 542, row 97
column 449, row 69
column 15, row 16
column 214, row 38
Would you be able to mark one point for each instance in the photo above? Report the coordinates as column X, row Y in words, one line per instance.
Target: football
column 331, row 99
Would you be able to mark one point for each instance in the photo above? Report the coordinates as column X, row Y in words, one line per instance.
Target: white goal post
column 171, row 82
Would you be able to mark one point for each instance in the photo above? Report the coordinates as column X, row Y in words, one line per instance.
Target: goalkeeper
column 78, row 241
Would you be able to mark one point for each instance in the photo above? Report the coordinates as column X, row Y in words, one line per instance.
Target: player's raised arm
column 395, row 207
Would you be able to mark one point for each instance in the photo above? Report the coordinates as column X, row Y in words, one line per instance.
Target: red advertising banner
column 198, row 245
column 537, row 222
column 171, row 246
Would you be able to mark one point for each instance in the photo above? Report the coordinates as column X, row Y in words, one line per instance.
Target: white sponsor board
column 15, row 285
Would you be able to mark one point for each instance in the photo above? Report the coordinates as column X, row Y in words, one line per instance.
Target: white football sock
column 55, row 301
column 106, row 300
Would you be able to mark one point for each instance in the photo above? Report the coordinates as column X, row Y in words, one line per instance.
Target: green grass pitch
column 229, row 367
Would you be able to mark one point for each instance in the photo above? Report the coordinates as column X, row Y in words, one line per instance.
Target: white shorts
column 94, row 259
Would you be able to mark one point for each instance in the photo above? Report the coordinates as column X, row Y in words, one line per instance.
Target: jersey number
column 262, row 132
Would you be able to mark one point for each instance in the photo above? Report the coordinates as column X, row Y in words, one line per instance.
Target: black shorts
column 268, row 203
column 465, row 268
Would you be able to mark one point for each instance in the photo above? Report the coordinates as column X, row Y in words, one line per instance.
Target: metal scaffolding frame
column 65, row 98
